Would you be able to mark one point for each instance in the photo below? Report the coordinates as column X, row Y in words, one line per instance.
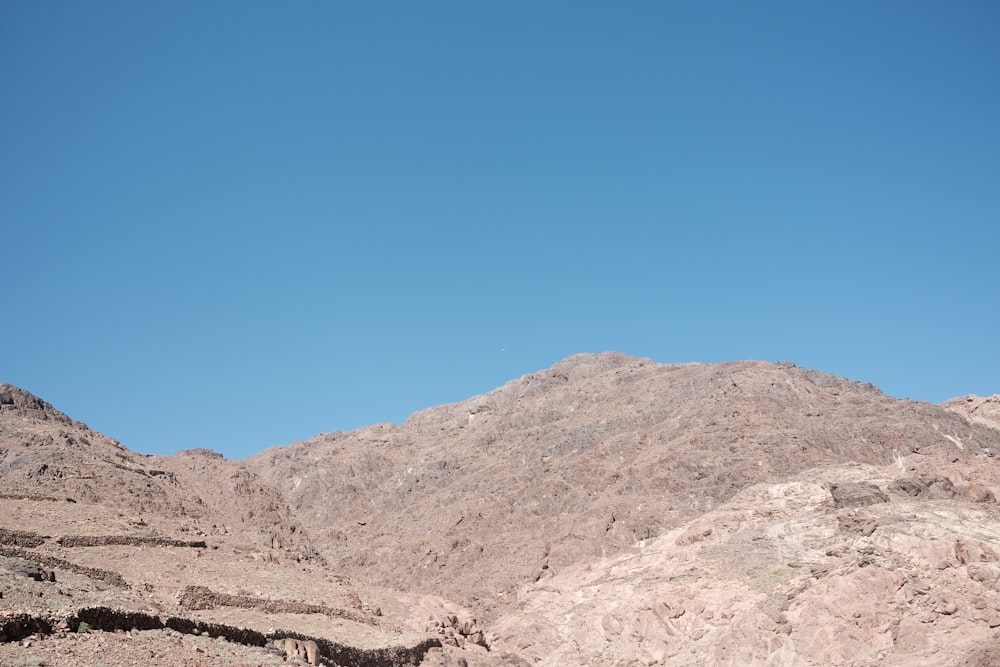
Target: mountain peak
column 19, row 402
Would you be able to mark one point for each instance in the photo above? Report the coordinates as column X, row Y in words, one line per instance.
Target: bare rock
column 859, row 494
column 973, row 551
column 458, row 630
column 299, row 648
column 977, row 493
column 907, row 485
column 34, row 572
column 680, row 514
column 927, row 487
column 980, row 409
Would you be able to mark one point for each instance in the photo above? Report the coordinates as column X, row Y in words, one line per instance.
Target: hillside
column 580, row 461
column 983, row 410
column 191, row 556
column 609, row 510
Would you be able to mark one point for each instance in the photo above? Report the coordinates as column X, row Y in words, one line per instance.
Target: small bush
column 83, row 628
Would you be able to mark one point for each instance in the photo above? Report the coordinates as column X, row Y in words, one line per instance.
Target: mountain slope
column 45, row 454
column 606, row 511
column 192, row 553
column 581, row 460
column 983, row 410
column 786, row 574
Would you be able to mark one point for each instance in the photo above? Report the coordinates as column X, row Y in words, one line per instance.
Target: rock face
column 857, row 494
column 608, row 510
column 297, row 648
column 779, row 575
column 977, row 408
column 584, row 459
column 45, row 454
column 16, row 402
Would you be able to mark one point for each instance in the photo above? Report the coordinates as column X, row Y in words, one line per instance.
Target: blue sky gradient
column 238, row 224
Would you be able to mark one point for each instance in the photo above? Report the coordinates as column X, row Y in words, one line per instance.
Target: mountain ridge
column 521, row 438
column 605, row 510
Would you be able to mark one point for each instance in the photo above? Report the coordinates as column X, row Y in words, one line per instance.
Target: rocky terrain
column 977, row 408
column 606, row 511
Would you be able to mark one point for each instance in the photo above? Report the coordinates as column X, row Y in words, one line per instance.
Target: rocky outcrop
column 984, row 410
column 298, row 648
column 776, row 583
column 939, row 487
column 16, row 402
column 458, row 631
column 857, row 494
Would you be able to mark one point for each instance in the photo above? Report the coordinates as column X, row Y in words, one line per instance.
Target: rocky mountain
column 609, row 510
column 977, row 408
column 579, row 461
column 45, row 454
column 191, row 556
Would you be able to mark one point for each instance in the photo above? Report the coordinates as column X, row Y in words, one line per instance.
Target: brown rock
column 977, row 493
column 929, row 486
column 857, row 494
column 627, row 483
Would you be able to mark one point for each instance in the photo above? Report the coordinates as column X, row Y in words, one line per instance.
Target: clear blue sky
column 238, row 224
